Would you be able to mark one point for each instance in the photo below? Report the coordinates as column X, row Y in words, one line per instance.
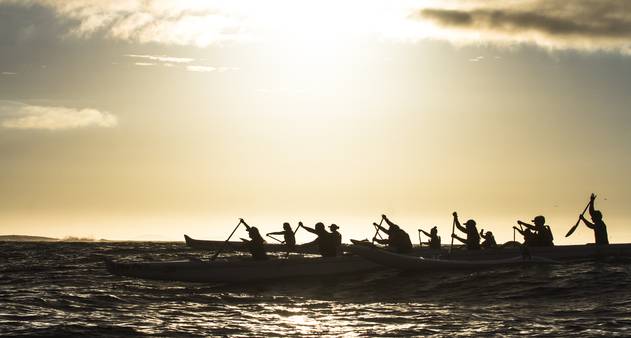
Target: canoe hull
column 242, row 271
column 414, row 263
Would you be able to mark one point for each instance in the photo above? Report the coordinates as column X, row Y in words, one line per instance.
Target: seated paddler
column 256, row 243
column 434, row 239
column 398, row 240
column 325, row 240
column 473, row 237
column 288, row 236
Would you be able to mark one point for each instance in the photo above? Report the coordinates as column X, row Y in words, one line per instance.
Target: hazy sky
column 150, row 119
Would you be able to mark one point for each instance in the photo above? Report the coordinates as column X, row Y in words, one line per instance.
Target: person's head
column 488, row 234
column 469, row 223
column 434, row 231
column 286, row 226
column 597, row 216
column 539, row 220
column 333, row 227
column 253, row 232
column 319, row 226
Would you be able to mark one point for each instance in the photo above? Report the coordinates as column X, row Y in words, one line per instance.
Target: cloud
column 182, row 22
column 556, row 24
column 8, row 73
column 200, row 68
column 144, row 64
column 17, row 115
column 162, row 58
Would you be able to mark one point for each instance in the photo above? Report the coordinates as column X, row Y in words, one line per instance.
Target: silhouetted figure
column 473, row 238
column 256, row 243
column 529, row 236
column 398, row 240
column 325, row 240
column 489, row 240
column 434, row 239
column 542, row 233
column 599, row 227
column 288, row 235
column 337, row 237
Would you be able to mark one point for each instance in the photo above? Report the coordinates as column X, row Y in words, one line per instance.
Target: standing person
column 473, row 238
column 434, row 239
column 543, row 233
column 398, row 240
column 288, row 235
column 599, row 226
column 325, row 240
column 256, row 243
column 489, row 240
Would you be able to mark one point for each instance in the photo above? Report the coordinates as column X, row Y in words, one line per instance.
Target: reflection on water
column 62, row 289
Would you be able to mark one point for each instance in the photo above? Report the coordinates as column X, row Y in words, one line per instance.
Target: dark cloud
column 602, row 20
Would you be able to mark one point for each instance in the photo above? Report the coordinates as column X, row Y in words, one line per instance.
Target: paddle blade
column 569, row 233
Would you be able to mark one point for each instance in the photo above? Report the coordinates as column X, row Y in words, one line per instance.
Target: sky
column 150, row 119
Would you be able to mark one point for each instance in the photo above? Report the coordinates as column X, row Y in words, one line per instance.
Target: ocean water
column 63, row 289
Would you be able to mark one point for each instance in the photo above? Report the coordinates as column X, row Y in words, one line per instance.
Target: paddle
column 420, row 243
column 569, row 233
column 274, row 238
column 227, row 240
column 453, row 231
column 377, row 232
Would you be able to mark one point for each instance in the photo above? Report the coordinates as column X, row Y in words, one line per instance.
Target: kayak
column 241, row 271
column 200, row 244
column 414, row 263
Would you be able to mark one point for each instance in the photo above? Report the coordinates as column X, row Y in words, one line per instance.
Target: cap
column 470, row 222
column 333, row 227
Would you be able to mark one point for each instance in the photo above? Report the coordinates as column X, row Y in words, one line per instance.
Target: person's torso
column 600, row 231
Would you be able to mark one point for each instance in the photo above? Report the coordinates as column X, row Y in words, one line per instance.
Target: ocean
column 63, row 289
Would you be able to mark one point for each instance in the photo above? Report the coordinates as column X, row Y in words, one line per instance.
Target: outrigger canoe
column 242, row 271
column 200, row 244
column 414, row 263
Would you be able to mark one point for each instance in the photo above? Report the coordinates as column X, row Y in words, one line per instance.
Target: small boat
column 200, row 244
column 243, row 270
column 414, row 263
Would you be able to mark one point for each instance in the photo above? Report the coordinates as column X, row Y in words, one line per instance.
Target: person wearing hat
column 434, row 239
column 473, row 237
column 325, row 240
column 288, row 235
column 398, row 240
column 542, row 233
column 256, row 243
column 599, row 227
column 489, row 240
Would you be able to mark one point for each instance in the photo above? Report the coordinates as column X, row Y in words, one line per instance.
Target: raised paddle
column 420, row 243
column 377, row 231
column 274, row 238
column 227, row 240
column 569, row 233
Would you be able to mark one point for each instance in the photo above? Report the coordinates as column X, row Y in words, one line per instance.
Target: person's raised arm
column 388, row 221
column 457, row 222
column 592, row 198
column 425, row 233
column 247, row 227
column 311, row 230
column 382, row 228
column 587, row 223
column 529, row 226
